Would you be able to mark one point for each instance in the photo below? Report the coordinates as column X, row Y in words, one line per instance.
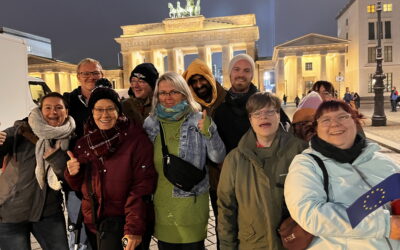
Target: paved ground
column 388, row 136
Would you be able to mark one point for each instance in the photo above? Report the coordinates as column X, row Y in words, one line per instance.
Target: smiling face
column 54, row 111
column 105, row 114
column 340, row 131
column 168, row 96
column 265, row 123
column 241, row 76
column 88, row 74
column 200, row 86
column 141, row 88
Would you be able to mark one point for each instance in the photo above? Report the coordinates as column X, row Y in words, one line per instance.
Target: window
column 371, row 8
column 387, row 7
column 308, row 66
column 347, row 36
column 387, row 54
column 371, row 31
column 371, row 54
column 347, row 22
column 388, row 31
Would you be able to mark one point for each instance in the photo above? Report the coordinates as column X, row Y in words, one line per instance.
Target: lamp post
column 379, row 118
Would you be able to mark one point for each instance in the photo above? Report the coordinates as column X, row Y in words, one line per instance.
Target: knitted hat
column 146, row 72
column 240, row 57
column 104, row 93
column 103, row 82
column 307, row 107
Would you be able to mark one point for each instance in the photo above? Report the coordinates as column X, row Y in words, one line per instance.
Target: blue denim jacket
column 193, row 147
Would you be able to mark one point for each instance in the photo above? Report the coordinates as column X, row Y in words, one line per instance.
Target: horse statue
column 190, row 7
column 197, row 8
column 172, row 11
column 181, row 12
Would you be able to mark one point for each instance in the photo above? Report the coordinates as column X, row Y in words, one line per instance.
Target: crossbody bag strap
column 324, row 173
column 164, row 147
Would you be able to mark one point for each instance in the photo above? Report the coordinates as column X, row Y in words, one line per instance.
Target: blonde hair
column 88, row 60
column 177, row 81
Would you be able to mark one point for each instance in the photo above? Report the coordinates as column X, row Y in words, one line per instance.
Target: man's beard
column 204, row 92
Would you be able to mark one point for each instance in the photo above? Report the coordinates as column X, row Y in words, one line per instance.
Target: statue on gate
column 190, row 9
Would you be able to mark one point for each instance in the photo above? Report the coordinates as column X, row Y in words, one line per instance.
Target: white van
column 16, row 100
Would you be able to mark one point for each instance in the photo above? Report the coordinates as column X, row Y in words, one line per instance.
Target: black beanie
column 104, row 93
column 146, row 72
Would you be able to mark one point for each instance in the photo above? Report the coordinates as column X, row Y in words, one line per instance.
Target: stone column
column 260, row 75
column 205, row 55
column 280, row 77
column 149, row 56
column 172, row 64
column 251, row 49
column 127, row 67
column 180, row 62
column 159, row 61
column 300, row 84
column 57, row 82
column 227, row 54
column 323, row 66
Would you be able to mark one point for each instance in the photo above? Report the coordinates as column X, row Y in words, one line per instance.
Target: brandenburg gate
column 176, row 37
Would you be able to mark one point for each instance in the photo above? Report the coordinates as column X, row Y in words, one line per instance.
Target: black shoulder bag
column 180, row 173
column 294, row 237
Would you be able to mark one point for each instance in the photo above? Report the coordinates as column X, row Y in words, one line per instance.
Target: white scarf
column 46, row 133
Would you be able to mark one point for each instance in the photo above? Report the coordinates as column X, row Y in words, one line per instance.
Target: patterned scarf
column 174, row 113
column 46, row 133
column 102, row 143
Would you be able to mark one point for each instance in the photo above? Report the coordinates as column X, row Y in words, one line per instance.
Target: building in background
column 357, row 22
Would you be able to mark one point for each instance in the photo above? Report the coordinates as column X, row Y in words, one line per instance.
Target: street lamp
column 379, row 118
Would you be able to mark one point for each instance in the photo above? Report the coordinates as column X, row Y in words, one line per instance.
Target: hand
column 3, row 136
column 133, row 241
column 200, row 124
column 394, row 227
column 73, row 164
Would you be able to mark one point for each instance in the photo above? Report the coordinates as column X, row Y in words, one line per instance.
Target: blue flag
column 387, row 190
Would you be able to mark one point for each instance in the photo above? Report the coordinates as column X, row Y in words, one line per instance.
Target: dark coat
column 120, row 182
column 21, row 198
column 77, row 109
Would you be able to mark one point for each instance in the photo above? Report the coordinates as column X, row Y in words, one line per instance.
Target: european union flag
column 387, row 190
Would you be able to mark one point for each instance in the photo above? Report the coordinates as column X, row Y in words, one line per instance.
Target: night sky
column 87, row 28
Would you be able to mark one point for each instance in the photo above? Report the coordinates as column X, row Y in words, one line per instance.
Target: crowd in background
column 151, row 164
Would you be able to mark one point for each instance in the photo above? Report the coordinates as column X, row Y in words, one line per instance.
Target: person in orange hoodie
column 209, row 94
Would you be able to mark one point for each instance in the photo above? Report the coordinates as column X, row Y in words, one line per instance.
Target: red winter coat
column 120, row 181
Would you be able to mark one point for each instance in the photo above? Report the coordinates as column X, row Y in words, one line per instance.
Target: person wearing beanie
column 303, row 117
column 88, row 71
column 143, row 79
column 114, row 157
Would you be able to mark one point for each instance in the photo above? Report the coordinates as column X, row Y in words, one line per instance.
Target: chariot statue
column 189, row 10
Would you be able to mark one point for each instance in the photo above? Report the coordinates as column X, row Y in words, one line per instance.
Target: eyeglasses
column 260, row 114
column 99, row 111
column 138, row 81
column 93, row 73
column 172, row 93
column 327, row 121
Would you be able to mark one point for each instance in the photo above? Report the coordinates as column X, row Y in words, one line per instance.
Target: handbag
column 110, row 230
column 180, row 173
column 293, row 236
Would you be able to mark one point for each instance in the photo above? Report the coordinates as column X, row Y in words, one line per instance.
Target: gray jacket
column 21, row 198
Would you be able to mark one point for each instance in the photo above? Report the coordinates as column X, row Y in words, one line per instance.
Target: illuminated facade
column 357, row 22
column 165, row 44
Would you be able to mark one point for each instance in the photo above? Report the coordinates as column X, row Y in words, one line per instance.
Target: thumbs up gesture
column 72, row 164
column 3, row 136
column 200, row 124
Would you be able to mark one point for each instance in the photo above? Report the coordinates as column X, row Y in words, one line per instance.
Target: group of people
column 352, row 98
column 115, row 162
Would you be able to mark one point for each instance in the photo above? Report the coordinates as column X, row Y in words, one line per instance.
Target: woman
column 354, row 165
column 181, row 217
column 325, row 89
column 34, row 152
column 250, row 190
column 112, row 165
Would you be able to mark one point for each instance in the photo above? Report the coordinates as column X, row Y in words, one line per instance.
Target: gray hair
column 88, row 60
column 177, row 81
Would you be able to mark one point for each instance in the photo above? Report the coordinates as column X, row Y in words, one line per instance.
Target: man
column 393, row 99
column 209, row 94
column 348, row 97
column 325, row 89
column 231, row 116
column 88, row 72
column 143, row 80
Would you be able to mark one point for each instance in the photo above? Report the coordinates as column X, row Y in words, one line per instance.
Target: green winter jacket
column 250, row 191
